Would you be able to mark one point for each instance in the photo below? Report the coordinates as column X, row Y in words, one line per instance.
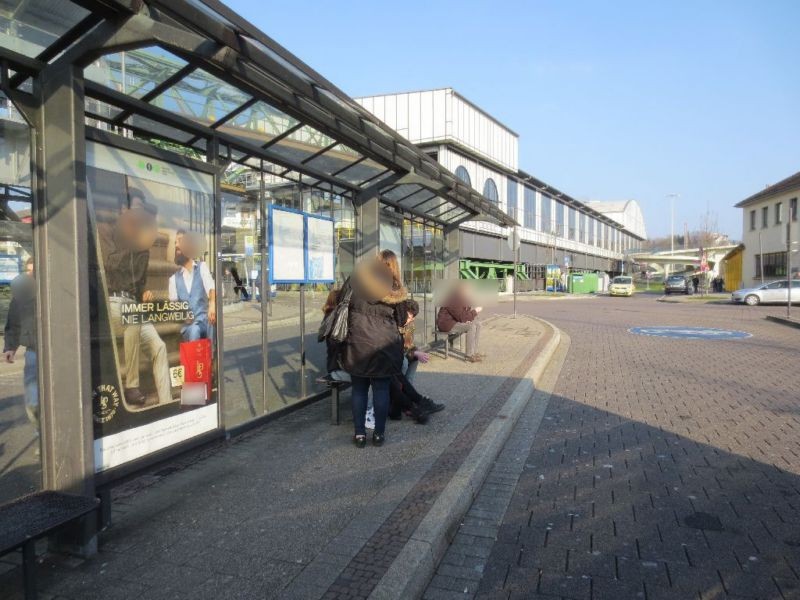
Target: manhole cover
column 703, row 520
column 690, row 333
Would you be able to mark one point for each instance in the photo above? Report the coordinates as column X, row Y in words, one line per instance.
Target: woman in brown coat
column 373, row 352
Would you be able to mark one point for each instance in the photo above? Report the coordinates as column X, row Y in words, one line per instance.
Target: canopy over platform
column 196, row 78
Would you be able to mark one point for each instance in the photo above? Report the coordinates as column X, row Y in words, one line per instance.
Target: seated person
column 458, row 316
column 404, row 397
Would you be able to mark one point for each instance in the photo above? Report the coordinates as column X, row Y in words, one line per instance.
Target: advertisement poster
column 321, row 250
column 287, row 251
column 153, row 302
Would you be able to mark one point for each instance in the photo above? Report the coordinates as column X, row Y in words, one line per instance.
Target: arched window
column 463, row 175
column 490, row 191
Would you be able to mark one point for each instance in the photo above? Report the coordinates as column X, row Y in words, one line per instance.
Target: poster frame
column 108, row 476
column 333, row 245
column 272, row 209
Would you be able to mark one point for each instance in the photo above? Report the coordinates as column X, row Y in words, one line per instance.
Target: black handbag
column 334, row 326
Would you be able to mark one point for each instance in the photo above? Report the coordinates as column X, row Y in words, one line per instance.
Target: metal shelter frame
column 193, row 77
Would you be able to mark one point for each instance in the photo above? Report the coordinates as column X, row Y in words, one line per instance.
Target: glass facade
column 19, row 392
column 547, row 214
column 511, row 199
column 529, row 218
column 560, row 220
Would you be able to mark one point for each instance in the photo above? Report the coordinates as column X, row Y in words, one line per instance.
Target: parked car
column 678, row 284
column 621, row 286
column 774, row 292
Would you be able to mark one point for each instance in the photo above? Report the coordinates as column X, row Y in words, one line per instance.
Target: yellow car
column 621, row 286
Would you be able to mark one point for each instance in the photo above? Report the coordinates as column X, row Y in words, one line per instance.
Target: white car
column 774, row 292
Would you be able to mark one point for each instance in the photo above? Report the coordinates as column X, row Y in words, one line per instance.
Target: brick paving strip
column 463, row 565
column 365, row 570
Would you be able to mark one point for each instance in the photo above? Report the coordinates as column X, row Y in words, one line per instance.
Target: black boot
column 430, row 406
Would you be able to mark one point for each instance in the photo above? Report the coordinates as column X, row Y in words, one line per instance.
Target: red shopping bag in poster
column 196, row 361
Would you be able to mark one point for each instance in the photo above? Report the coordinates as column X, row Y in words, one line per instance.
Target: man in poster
column 125, row 246
column 193, row 283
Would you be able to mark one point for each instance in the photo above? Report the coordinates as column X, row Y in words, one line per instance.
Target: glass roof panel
column 335, row 159
column 30, row 26
column 135, row 72
column 455, row 216
column 426, row 206
column 401, row 191
column 201, row 96
column 157, row 129
column 277, row 58
column 419, row 196
column 101, row 109
column 363, row 171
column 200, row 5
column 259, row 123
column 302, row 144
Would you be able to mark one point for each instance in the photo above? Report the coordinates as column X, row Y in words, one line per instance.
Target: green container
column 582, row 283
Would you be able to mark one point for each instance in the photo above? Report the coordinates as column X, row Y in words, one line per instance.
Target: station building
column 144, row 149
column 556, row 228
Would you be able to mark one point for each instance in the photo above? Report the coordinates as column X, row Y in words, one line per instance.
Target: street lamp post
column 671, row 228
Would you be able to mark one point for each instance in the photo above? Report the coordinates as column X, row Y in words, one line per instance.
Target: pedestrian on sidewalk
column 458, row 316
column 373, row 352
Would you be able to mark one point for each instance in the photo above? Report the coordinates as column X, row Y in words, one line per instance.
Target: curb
column 783, row 321
column 412, row 569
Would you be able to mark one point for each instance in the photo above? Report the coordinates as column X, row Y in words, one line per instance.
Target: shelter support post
column 61, row 226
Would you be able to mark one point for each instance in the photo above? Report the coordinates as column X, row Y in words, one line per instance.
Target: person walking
column 20, row 330
column 695, row 283
column 373, row 351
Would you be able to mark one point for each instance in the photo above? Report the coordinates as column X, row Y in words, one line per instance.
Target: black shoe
column 377, row 439
column 134, row 396
column 420, row 416
column 360, row 441
column 430, row 406
column 398, row 416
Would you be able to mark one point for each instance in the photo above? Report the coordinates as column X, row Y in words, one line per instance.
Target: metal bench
column 335, row 387
column 449, row 339
column 27, row 519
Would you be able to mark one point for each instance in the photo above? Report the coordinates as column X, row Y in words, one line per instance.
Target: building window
column 560, row 219
column 779, row 213
column 547, row 214
column 463, row 175
column 774, row 264
column 793, row 209
column 490, row 191
column 529, row 201
column 752, row 220
column 511, row 199
column 572, row 224
column 765, row 217
column 591, row 230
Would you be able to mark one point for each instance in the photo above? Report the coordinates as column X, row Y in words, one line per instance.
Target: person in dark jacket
column 20, row 330
column 458, row 316
column 373, row 352
column 333, row 349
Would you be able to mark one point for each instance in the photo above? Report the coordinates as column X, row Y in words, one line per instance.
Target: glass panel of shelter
column 19, row 398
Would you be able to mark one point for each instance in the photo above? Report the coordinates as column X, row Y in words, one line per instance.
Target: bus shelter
column 173, row 185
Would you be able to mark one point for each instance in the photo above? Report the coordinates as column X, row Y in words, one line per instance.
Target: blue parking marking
column 690, row 333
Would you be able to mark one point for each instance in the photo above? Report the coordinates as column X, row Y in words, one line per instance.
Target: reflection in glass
column 30, row 26
column 240, row 264
column 20, row 471
column 134, row 72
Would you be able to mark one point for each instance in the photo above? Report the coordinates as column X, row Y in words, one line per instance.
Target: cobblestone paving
column 663, row 468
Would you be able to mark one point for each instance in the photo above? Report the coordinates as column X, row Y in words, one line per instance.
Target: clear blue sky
column 612, row 100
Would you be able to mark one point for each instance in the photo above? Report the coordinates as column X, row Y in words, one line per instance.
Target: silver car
column 774, row 292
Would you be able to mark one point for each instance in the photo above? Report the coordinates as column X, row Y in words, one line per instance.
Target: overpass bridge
column 682, row 259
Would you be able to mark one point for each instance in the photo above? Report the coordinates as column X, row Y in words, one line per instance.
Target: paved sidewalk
column 292, row 509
